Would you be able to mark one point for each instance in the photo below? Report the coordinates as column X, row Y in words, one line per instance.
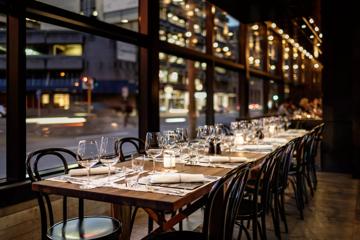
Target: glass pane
column 274, row 46
column 273, row 97
column 2, row 96
column 226, row 99
column 183, row 23
column 256, row 97
column 117, row 12
column 226, row 35
column 79, row 86
column 296, row 65
column 287, row 60
column 182, row 92
column 256, row 41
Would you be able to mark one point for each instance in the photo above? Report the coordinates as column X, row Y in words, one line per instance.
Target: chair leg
column 150, row 225
column 282, row 211
column 314, row 174
column 254, row 226
column 276, row 216
column 297, row 198
column 263, row 226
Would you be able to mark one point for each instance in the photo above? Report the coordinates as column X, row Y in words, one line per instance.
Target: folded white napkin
column 176, row 178
column 226, row 159
column 256, row 147
column 93, row 171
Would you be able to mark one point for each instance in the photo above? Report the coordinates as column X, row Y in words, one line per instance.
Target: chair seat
column 179, row 235
column 97, row 227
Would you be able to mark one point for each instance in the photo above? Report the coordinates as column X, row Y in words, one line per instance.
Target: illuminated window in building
column 226, row 101
column 287, row 60
column 226, row 35
column 62, row 100
column 274, row 45
column 74, row 98
column 255, row 43
column 118, row 12
column 182, row 92
column 256, row 97
column 183, row 23
column 3, row 96
column 67, row 49
column 45, row 99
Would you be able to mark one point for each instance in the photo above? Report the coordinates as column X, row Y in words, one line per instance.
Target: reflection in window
column 273, row 97
column 287, row 61
column 2, row 96
column 118, row 12
column 255, row 46
column 183, row 23
column 256, row 97
column 226, row 34
column 274, row 45
column 296, row 65
column 226, row 101
column 78, row 89
column 182, row 92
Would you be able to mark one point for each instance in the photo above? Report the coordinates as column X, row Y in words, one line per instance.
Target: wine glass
column 108, row 154
column 182, row 137
column 153, row 146
column 87, row 156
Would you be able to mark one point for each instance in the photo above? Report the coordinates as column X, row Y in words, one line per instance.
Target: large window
column 256, row 41
column 256, row 99
column 226, row 35
column 273, row 97
column 226, row 98
column 274, row 46
column 182, row 92
column 75, row 96
column 2, row 96
column 287, row 60
column 183, row 23
column 118, row 12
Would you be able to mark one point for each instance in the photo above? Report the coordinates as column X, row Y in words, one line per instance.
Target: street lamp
column 88, row 84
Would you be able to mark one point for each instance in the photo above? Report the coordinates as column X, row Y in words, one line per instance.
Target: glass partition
column 182, row 92
column 256, row 99
column 78, row 86
column 226, row 98
column 255, row 43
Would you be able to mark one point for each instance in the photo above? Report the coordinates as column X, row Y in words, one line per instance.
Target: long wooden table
column 155, row 204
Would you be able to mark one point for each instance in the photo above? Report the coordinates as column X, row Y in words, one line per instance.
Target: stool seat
column 90, row 227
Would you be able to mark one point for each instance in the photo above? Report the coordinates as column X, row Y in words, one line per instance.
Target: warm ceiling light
column 316, row 29
column 273, row 25
column 280, row 31
column 286, row 36
column 271, row 37
column 215, row 44
column 311, row 20
column 303, row 26
column 311, row 36
column 318, row 44
column 320, row 35
column 316, row 65
column 124, row 21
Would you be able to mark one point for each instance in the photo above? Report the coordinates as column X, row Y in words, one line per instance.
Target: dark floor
column 333, row 212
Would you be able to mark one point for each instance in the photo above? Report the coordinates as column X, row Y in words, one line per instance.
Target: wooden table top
column 156, row 201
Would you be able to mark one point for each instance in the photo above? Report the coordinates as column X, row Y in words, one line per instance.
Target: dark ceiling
column 248, row 11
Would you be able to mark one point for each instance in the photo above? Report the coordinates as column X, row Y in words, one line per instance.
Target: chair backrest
column 317, row 133
column 137, row 143
column 285, row 157
column 223, row 203
column 32, row 168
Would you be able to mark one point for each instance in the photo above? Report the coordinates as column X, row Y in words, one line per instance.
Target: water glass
column 108, row 155
column 137, row 162
column 154, row 146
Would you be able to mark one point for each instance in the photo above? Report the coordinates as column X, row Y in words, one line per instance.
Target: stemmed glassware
column 182, row 140
column 108, row 154
column 87, row 156
column 154, row 146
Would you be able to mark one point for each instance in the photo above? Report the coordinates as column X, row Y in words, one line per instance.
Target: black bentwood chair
column 221, row 208
column 279, row 184
column 256, row 200
column 136, row 143
column 82, row 227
